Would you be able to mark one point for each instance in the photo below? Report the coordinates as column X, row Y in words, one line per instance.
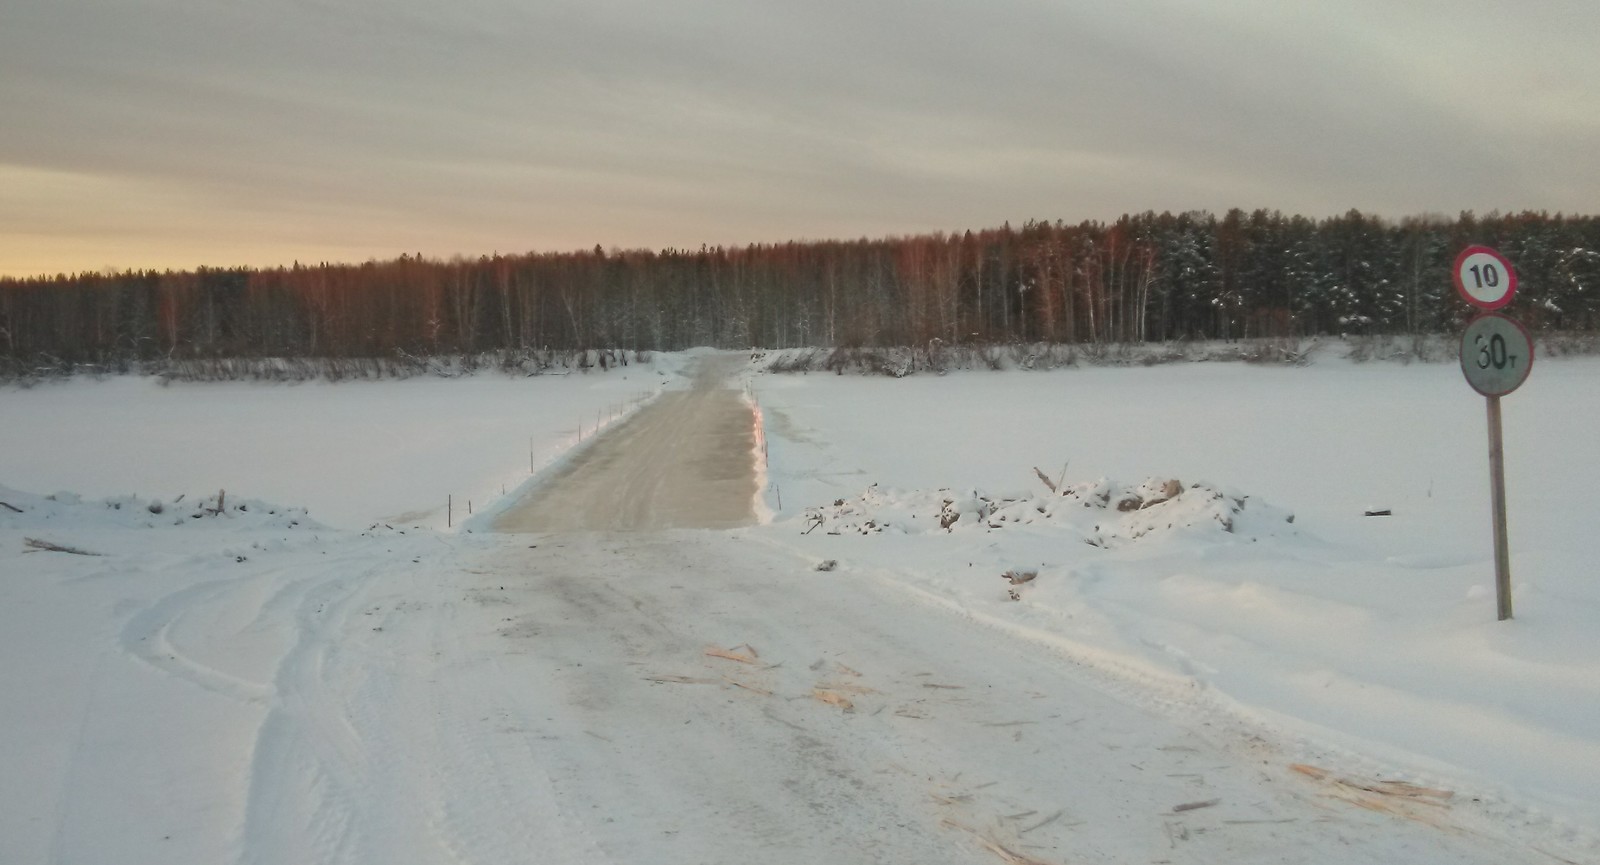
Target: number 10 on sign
column 1484, row 278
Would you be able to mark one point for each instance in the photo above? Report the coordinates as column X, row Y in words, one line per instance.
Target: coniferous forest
column 1144, row 278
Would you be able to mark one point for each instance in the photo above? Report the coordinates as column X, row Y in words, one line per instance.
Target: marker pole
column 1497, row 500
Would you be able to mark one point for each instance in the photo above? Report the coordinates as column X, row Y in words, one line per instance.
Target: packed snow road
column 684, row 461
column 694, row 697
column 686, row 696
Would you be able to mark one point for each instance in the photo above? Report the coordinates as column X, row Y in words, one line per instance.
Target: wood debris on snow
column 833, row 698
column 1398, row 798
column 1536, row 848
column 1384, row 788
column 846, row 687
column 1018, row 577
column 752, row 688
column 1260, row 822
column 1006, row 854
column 681, row 680
column 1042, row 823
column 35, row 545
column 729, row 654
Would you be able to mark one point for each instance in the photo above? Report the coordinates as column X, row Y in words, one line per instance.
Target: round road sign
column 1496, row 354
column 1484, row 277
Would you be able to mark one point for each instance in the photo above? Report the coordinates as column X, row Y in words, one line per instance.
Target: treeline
column 1150, row 277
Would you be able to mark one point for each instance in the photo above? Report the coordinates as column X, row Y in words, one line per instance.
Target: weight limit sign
column 1496, row 354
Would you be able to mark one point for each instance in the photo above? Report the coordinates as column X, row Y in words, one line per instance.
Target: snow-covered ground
column 351, row 453
column 1376, row 635
column 210, row 681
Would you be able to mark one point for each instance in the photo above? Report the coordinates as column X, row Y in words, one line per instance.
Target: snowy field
column 352, row 453
column 194, row 652
column 1372, row 634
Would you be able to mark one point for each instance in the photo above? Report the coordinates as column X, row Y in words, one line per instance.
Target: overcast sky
column 175, row 133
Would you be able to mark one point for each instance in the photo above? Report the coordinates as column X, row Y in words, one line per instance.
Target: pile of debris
column 1103, row 513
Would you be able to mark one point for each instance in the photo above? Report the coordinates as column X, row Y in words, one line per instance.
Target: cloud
column 363, row 130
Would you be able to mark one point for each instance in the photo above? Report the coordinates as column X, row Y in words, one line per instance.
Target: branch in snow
column 35, row 545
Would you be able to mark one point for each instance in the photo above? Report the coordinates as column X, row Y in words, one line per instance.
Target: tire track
column 146, row 638
column 310, row 788
column 392, row 740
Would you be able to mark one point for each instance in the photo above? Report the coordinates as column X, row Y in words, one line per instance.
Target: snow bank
column 1100, row 513
column 21, row 510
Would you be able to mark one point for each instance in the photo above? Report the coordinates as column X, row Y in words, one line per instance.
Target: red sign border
column 1462, row 353
column 1455, row 277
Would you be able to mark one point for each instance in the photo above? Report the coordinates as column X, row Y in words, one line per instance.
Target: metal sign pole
column 1497, row 499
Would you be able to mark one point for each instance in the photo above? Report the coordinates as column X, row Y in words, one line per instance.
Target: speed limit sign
column 1496, row 354
column 1484, row 277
